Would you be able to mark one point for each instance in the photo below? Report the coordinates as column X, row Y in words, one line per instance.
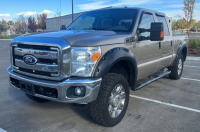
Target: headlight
column 84, row 60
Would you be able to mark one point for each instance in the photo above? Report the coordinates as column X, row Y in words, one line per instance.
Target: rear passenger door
column 166, row 44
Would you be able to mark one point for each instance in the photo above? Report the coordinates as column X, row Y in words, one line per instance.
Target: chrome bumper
column 91, row 87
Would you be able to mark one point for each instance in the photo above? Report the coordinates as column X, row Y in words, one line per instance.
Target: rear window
column 163, row 20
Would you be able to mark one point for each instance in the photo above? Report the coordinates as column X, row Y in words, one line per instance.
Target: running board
column 139, row 86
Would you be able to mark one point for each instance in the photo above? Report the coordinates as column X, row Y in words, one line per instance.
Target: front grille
column 47, row 64
column 38, row 47
column 39, row 60
column 35, row 72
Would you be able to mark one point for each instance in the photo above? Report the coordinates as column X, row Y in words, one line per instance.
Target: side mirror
column 157, row 31
column 63, row 27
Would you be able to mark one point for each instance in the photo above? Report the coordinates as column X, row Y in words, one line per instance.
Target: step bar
column 139, row 86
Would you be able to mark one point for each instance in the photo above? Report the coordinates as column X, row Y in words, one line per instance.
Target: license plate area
column 27, row 87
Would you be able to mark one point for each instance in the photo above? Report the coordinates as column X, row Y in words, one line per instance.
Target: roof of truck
column 137, row 8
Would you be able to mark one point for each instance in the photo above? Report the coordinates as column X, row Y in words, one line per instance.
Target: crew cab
column 98, row 59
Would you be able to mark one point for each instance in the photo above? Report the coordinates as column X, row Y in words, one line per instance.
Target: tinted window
column 113, row 19
column 163, row 20
column 145, row 23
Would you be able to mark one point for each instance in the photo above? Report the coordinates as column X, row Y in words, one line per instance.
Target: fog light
column 78, row 91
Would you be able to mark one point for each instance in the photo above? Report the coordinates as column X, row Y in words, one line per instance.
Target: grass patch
column 8, row 37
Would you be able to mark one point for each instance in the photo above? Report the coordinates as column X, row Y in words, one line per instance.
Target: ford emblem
column 29, row 59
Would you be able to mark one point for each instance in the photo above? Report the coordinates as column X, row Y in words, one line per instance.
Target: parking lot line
column 1, row 130
column 192, row 66
column 190, row 79
column 164, row 103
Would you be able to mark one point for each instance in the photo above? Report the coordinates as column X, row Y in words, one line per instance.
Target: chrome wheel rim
column 180, row 67
column 116, row 101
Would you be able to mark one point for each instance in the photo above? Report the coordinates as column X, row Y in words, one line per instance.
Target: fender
column 113, row 56
column 181, row 47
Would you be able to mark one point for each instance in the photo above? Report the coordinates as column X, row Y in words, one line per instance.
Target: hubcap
column 116, row 101
column 180, row 67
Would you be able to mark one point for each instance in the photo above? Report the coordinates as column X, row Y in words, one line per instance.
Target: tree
column 10, row 22
column 3, row 21
column 189, row 11
column 41, row 21
column 174, row 25
column 22, row 23
column 1, row 27
column 58, row 19
column 193, row 22
column 32, row 23
column 182, row 23
column 198, row 25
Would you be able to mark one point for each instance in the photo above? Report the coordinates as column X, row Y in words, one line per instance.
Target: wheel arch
column 115, row 57
column 182, row 50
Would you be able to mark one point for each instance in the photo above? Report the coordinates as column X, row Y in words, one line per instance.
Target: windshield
column 121, row 20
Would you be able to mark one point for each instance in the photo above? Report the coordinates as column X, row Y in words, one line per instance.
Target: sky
column 11, row 9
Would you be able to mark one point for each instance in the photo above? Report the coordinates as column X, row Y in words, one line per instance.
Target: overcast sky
column 11, row 9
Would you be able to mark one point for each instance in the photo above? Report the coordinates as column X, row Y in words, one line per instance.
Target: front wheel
column 110, row 106
column 177, row 70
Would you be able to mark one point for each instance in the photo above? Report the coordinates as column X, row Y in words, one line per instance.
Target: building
column 56, row 22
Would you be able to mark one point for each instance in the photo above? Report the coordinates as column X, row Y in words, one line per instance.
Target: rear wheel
column 177, row 70
column 36, row 99
column 110, row 106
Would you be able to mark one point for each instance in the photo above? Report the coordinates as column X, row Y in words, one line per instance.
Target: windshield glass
column 121, row 20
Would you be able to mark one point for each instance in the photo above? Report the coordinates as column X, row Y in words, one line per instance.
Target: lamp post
column 72, row 10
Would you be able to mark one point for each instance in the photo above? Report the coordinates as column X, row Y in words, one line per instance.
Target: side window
column 146, row 21
column 163, row 20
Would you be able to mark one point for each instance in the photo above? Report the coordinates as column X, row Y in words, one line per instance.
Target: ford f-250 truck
column 98, row 59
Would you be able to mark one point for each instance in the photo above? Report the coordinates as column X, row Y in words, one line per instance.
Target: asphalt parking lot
column 162, row 106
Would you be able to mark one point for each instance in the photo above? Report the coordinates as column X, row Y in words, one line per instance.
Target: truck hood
column 80, row 37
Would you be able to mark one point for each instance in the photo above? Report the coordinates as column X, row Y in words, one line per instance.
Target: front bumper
column 91, row 87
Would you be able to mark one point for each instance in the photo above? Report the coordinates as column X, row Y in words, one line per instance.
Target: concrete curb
column 6, row 39
column 191, row 58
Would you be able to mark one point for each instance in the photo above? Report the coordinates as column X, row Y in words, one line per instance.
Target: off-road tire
column 36, row 99
column 99, row 107
column 174, row 69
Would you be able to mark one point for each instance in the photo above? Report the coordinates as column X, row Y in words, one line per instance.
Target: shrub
column 194, row 43
column 4, row 37
column 198, row 43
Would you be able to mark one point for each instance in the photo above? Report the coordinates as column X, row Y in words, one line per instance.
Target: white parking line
column 190, row 79
column 164, row 103
column 1, row 130
column 192, row 66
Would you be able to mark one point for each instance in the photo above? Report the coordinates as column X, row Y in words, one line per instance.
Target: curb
column 190, row 58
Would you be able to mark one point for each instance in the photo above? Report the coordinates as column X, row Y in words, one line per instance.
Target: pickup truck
column 97, row 60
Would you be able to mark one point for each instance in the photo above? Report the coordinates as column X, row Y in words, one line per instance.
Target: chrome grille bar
column 37, row 53
column 37, row 66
